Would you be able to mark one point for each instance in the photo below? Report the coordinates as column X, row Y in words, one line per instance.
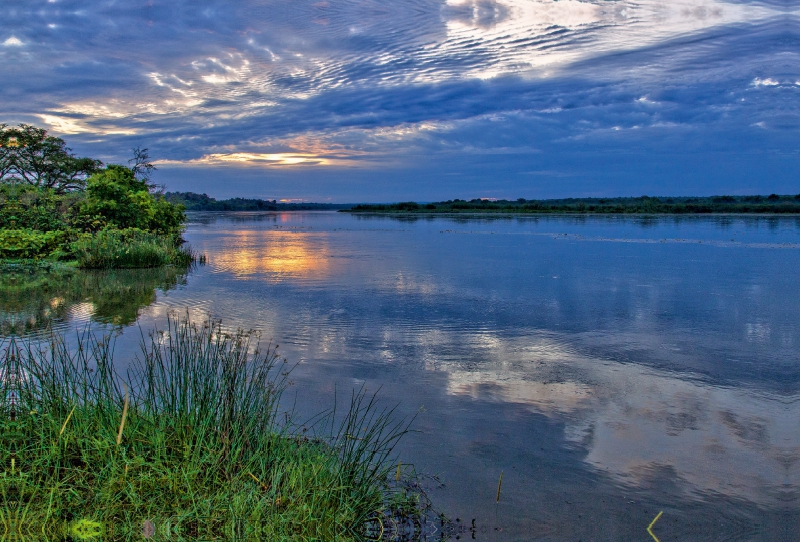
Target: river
column 610, row 368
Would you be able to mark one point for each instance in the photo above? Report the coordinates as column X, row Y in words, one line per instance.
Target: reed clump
column 190, row 443
column 129, row 248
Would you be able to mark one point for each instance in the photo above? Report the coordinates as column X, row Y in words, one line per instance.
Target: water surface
column 610, row 367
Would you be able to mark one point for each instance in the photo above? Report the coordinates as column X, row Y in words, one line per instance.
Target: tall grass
column 129, row 248
column 189, row 440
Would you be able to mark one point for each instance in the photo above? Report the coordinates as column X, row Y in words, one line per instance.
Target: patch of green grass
column 128, row 248
column 190, row 439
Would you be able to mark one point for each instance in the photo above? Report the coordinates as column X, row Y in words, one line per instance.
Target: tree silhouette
column 29, row 155
column 140, row 164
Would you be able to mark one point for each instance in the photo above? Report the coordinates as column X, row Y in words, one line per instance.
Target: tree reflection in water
column 35, row 298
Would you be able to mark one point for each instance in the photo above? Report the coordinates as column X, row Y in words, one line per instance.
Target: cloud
column 410, row 82
column 255, row 159
column 768, row 82
column 711, row 436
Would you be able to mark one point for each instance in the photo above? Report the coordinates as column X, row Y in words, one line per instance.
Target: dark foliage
column 29, row 155
column 641, row 205
column 203, row 202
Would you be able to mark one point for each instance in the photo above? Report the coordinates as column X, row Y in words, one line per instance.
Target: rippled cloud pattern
column 354, row 100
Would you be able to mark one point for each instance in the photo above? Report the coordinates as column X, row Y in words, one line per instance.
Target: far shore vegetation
column 57, row 207
column 191, row 443
column 771, row 204
column 203, row 202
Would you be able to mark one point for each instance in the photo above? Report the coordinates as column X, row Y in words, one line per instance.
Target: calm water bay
column 610, row 368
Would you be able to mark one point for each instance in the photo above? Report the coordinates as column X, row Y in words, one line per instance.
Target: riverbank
column 192, row 436
column 192, row 201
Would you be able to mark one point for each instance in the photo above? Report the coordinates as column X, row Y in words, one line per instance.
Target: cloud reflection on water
column 633, row 418
column 634, row 421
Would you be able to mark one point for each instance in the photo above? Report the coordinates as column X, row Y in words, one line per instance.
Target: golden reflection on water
column 278, row 254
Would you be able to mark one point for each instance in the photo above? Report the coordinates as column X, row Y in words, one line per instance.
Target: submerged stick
column 650, row 527
column 499, row 486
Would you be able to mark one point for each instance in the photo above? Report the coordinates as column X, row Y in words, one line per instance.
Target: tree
column 141, row 165
column 29, row 155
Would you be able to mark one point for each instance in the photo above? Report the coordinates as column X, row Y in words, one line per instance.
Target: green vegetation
column 56, row 206
column 31, row 156
column 130, row 247
column 202, row 202
column 28, row 244
column 643, row 205
column 191, row 442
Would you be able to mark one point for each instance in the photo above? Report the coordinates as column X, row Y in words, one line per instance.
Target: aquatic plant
column 129, row 248
column 189, row 443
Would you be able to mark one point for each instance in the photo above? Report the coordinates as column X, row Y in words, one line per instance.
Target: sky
column 425, row 100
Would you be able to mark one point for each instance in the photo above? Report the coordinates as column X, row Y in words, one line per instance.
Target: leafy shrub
column 27, row 207
column 128, row 248
column 29, row 244
column 49, row 197
column 116, row 198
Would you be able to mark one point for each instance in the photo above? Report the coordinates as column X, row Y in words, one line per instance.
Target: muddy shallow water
column 610, row 368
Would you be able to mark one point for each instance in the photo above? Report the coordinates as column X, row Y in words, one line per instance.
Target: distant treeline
column 642, row 205
column 203, row 202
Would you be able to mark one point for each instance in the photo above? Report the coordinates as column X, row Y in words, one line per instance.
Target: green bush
column 29, row 244
column 27, row 207
column 49, row 197
column 128, row 248
column 116, row 198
